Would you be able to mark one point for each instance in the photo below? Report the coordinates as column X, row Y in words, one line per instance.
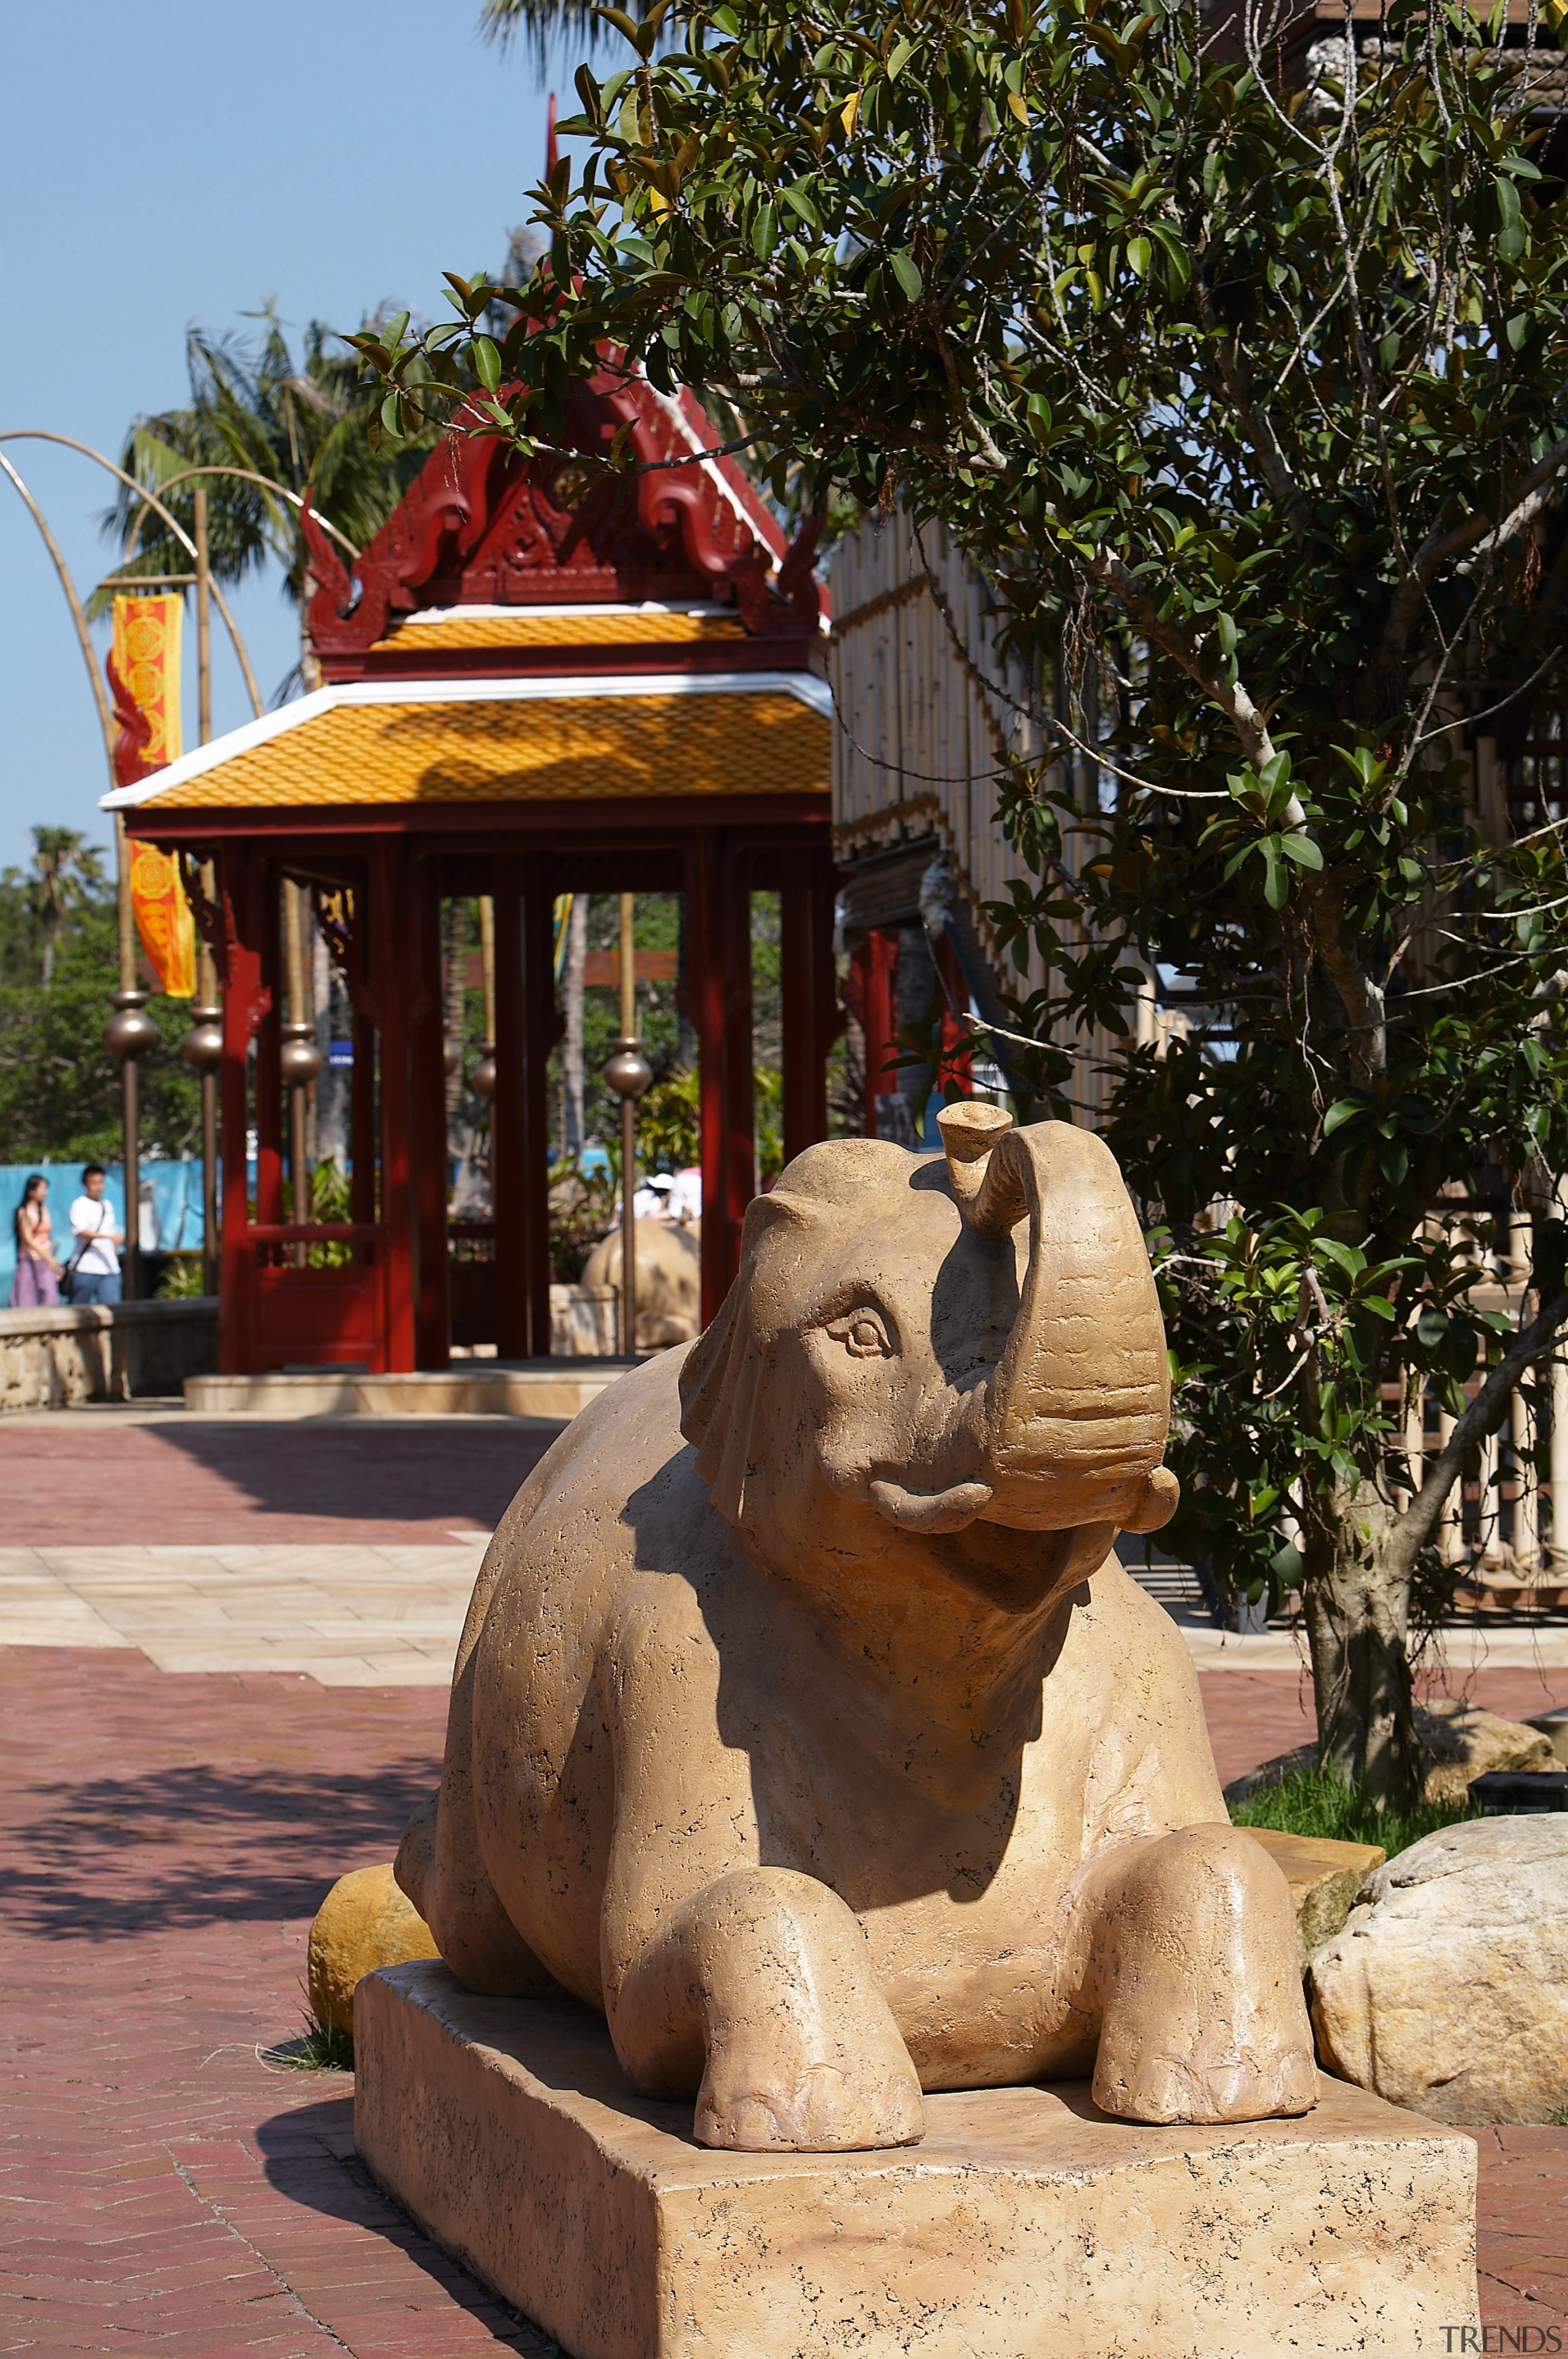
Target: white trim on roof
column 759, row 521
column 704, row 606
column 575, row 688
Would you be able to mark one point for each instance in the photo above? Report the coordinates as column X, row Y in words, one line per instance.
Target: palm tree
column 68, row 871
column 537, row 19
column 299, row 423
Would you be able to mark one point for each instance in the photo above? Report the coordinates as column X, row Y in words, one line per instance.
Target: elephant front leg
column 758, row 1991
column 1184, row 1946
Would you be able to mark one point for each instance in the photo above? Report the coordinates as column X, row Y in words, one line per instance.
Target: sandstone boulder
column 1459, row 1741
column 1553, row 1726
column 364, row 1922
column 1447, row 1991
column 1324, row 1878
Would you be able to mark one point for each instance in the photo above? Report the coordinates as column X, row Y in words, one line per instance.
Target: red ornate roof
column 481, row 526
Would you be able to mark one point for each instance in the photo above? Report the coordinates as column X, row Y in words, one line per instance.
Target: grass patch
column 1319, row 1802
column 315, row 2050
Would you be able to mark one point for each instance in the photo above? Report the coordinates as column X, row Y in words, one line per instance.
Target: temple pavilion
column 537, row 680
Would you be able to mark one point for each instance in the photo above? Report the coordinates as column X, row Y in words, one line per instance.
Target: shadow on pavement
column 197, row 1844
column 308, row 2157
column 377, row 1469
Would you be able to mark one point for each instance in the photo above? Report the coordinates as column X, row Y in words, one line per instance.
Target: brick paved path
column 83, row 1477
column 162, row 2189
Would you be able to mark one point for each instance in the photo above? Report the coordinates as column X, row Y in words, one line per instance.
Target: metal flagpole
column 629, row 1073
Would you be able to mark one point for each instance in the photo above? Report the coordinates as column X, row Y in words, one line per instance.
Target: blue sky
column 181, row 162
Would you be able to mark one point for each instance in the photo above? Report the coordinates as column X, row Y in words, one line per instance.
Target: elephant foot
column 758, row 1989
column 756, row 2100
column 1194, row 1963
column 1138, row 2081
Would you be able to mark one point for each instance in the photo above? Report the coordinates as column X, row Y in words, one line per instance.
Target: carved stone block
column 1025, row 2223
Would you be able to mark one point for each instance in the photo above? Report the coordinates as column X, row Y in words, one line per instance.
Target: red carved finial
column 551, row 152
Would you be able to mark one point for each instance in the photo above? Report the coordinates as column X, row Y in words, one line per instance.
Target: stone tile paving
column 350, row 1616
column 164, row 2186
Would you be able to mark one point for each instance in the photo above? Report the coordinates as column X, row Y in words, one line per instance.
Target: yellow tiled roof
column 543, row 749
column 533, row 630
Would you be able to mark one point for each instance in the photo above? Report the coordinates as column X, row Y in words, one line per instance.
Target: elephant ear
column 724, row 1381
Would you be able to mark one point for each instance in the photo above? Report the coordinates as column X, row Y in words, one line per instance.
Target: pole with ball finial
column 129, row 1034
column 629, row 1073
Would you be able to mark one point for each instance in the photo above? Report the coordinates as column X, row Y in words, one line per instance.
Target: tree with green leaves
column 258, row 409
column 68, row 871
column 60, row 1095
column 1244, row 385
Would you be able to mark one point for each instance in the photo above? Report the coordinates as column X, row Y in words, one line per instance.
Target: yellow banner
column 144, row 670
column 145, row 678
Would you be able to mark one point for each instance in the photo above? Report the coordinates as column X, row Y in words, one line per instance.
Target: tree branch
column 1529, row 498
column 1474, row 535
column 1482, row 1417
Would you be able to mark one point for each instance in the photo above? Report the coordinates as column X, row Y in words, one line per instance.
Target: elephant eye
column 862, row 1334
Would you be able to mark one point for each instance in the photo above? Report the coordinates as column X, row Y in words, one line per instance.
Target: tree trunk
column 575, row 967
column 1357, row 1615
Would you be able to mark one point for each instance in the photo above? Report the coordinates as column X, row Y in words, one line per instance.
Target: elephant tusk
column 930, row 1511
column 1161, row 1497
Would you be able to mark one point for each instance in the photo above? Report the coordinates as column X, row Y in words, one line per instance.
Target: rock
column 1459, row 1741
column 364, row 1922
column 1447, row 1990
column 1553, row 1726
column 1325, row 1878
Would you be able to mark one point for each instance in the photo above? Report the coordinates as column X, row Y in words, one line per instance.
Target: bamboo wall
column 927, row 713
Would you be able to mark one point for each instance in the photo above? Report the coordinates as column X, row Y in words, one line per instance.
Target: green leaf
column 1301, row 850
column 487, row 363
column 1138, row 253
column 905, row 270
column 899, row 56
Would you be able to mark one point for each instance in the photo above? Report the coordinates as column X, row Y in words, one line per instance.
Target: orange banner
column 144, row 671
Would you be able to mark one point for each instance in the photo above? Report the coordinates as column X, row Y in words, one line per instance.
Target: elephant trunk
column 1078, row 1407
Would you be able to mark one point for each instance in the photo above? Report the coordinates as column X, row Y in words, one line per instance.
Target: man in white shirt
column 96, row 1278
column 686, row 1196
column 651, row 1201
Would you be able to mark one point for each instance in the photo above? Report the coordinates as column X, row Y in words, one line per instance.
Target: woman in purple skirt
column 35, row 1284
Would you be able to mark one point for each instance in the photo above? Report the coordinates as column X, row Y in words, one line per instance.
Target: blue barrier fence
column 176, row 1205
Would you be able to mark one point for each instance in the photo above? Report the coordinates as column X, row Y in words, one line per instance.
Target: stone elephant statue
column 669, row 1280
column 804, row 1721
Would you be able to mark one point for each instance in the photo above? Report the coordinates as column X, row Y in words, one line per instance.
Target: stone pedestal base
column 1027, row 2226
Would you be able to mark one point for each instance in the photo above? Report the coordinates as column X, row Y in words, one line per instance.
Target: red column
column 875, row 960
column 427, row 1112
column 957, row 1054
column 811, row 1017
column 718, row 941
column 362, row 1099
column 246, row 1001
column 265, row 903
column 391, row 992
